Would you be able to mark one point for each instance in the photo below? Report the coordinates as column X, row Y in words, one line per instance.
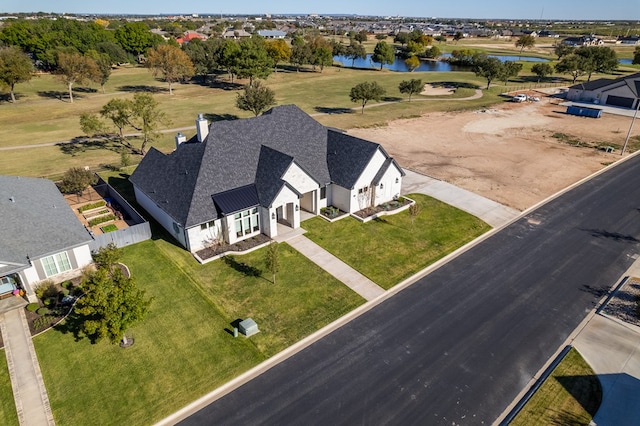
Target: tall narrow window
column 247, row 222
column 323, row 192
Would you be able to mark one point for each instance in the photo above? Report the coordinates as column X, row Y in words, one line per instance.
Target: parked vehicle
column 520, row 98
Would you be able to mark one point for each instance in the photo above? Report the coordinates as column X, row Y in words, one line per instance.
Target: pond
column 441, row 66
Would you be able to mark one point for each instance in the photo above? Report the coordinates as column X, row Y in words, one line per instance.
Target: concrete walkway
column 493, row 213
column 336, row 267
column 29, row 393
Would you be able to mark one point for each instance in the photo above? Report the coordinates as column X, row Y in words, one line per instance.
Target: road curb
column 527, row 396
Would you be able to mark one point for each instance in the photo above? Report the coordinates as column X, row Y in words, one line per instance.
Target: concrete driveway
column 493, row 213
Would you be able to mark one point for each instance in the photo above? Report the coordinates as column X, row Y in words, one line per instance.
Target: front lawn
column 570, row 395
column 184, row 348
column 390, row 249
column 8, row 414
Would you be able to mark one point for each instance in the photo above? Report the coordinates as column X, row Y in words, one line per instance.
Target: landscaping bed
column 623, row 305
column 384, row 207
column 239, row 247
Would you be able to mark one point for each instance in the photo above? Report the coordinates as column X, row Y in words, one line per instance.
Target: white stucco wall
column 199, row 238
column 83, row 256
column 387, row 188
column 358, row 202
column 341, row 198
column 158, row 214
column 299, row 179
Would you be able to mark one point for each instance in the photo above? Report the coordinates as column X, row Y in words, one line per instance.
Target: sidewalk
column 29, row 393
column 612, row 348
column 336, row 267
column 493, row 213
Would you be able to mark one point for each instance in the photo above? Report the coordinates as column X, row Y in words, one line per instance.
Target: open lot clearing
column 514, row 153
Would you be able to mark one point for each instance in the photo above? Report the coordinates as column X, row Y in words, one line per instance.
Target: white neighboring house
column 240, row 178
column 41, row 238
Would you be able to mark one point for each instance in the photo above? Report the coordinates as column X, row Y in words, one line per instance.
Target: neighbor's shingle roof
column 632, row 80
column 37, row 223
column 256, row 151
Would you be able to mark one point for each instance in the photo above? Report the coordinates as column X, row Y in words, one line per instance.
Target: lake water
column 440, row 66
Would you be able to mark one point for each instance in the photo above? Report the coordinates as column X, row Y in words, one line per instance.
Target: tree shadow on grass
column 454, row 84
column 73, row 325
column 225, row 85
column 336, row 110
column 143, row 88
column 220, row 117
column 85, row 90
column 391, row 99
column 243, row 268
column 54, row 94
column 586, row 390
column 80, row 144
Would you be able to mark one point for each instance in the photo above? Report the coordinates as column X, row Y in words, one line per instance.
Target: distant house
column 631, row 40
column 272, row 34
column 621, row 92
column 41, row 238
column 548, row 34
column 240, row 178
column 236, row 34
column 583, row 41
column 190, row 35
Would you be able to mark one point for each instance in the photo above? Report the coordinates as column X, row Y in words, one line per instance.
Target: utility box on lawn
column 248, row 327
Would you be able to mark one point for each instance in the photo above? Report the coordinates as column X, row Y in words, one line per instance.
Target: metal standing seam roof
column 254, row 151
column 37, row 222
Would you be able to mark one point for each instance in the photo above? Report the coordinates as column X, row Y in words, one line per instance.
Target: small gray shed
column 248, row 327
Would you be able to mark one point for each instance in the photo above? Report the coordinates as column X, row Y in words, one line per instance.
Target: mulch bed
column 385, row 207
column 623, row 304
column 240, row 246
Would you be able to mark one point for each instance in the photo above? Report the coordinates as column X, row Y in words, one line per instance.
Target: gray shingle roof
column 632, row 80
column 38, row 222
column 256, row 151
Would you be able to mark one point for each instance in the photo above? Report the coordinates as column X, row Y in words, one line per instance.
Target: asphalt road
column 460, row 344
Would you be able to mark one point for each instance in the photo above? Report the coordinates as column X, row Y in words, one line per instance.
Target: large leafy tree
column 365, row 92
column 432, row 52
column 134, row 37
column 600, row 59
column 355, row 51
column 409, row 87
column 141, row 113
column 76, row 180
column 300, row 52
column 278, row 51
column 573, row 65
column 146, row 117
column 75, row 68
column 542, row 70
column 252, row 61
column 15, row 67
column 525, row 41
column 412, row 62
column 636, row 56
column 489, row 68
column 361, row 36
column 561, row 50
column 171, row 62
column 111, row 302
column 510, row 69
column 402, row 38
column 383, row 54
column 256, row 98
column 103, row 61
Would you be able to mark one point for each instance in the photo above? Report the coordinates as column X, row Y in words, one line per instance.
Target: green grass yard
column 571, row 395
column 182, row 349
column 391, row 249
column 8, row 414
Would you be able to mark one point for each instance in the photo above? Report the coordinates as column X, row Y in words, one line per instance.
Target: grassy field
column 571, row 395
column 390, row 249
column 37, row 119
column 184, row 348
column 8, row 414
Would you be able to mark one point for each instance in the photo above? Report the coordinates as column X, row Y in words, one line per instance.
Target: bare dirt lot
column 507, row 153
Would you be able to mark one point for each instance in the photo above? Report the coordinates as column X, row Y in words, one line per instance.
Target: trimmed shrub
column 67, row 284
column 65, row 292
column 32, row 307
column 46, row 289
column 42, row 311
column 40, row 323
column 92, row 206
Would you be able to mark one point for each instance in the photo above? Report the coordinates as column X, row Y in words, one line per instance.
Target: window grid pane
column 49, row 266
column 62, row 260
